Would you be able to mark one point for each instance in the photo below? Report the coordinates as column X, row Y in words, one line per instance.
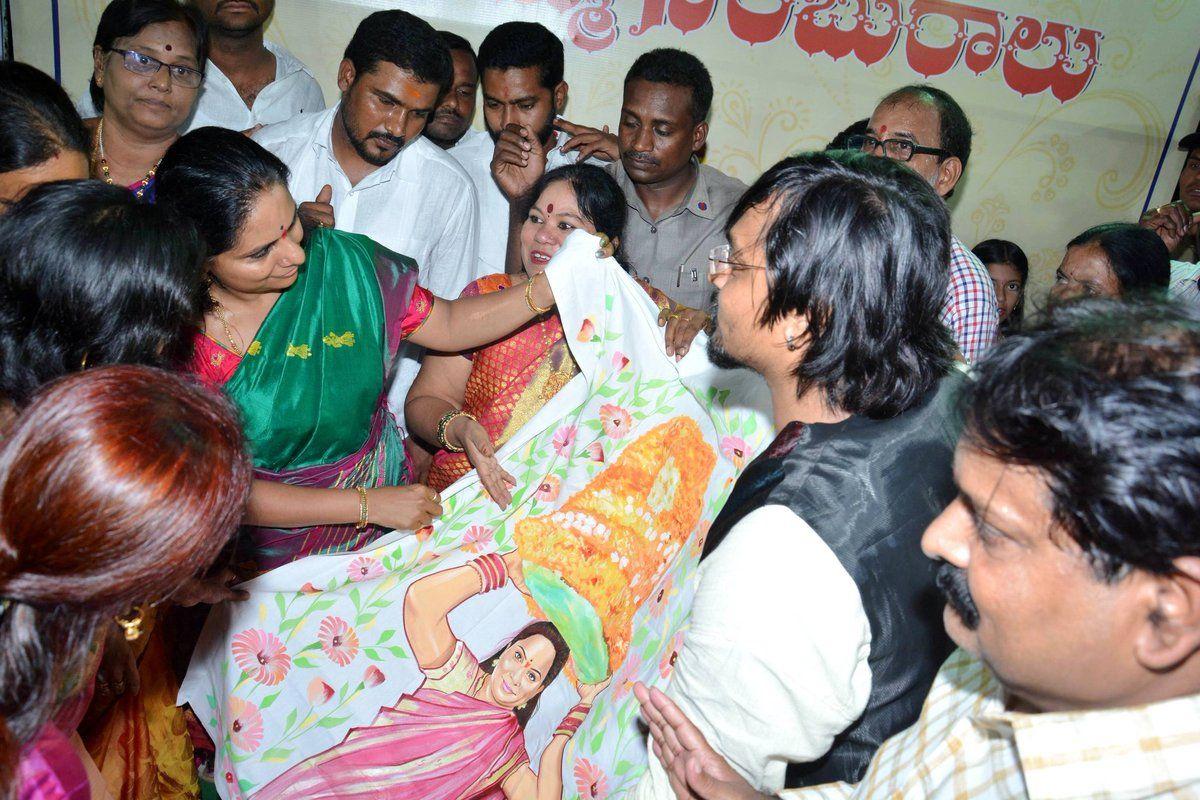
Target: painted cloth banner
column 311, row 685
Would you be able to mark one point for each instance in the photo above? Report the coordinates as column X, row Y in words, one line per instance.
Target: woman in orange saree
column 468, row 404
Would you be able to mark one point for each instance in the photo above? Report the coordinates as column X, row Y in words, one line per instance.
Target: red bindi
column 169, row 48
column 549, row 208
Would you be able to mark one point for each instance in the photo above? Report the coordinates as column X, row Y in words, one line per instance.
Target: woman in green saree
column 302, row 339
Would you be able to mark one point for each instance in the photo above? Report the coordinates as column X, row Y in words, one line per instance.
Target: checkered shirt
column 971, row 312
column 965, row 745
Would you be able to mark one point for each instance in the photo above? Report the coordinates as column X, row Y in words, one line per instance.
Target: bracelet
column 492, row 572
column 529, row 298
column 573, row 720
column 362, row 509
column 444, row 423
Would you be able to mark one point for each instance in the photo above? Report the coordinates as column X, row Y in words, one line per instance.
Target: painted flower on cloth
column 547, row 490
column 477, row 538
column 595, row 452
column 564, row 440
column 586, row 331
column 246, row 728
column 627, row 676
column 616, row 420
column 666, row 664
column 620, row 361
column 338, row 640
column 373, row 676
column 319, row 692
column 590, row 780
column 735, row 449
column 308, row 588
column 262, row 656
column 364, row 568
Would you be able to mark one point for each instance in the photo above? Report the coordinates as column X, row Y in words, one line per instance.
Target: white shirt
column 420, row 204
column 1185, row 282
column 474, row 151
column 774, row 663
column 294, row 91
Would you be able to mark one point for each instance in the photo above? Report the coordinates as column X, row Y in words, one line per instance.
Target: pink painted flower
column 590, row 780
column 666, row 664
column 338, row 640
column 308, row 588
column 319, row 692
column 564, row 440
column 616, row 420
column 735, row 449
column 246, row 729
column 627, row 677
column 477, row 538
column 620, row 361
column 595, row 452
column 547, row 490
column 373, row 676
column 586, row 331
column 364, row 568
column 262, row 656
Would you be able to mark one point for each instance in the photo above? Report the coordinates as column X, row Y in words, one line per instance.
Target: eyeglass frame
column 733, row 266
column 125, row 55
column 914, row 148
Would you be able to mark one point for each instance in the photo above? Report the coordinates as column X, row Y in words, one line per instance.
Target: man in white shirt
column 1071, row 569
column 363, row 165
column 248, row 81
column 451, row 123
column 811, row 638
column 1178, row 224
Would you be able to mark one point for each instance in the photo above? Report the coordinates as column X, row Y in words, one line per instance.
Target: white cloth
column 294, row 91
column 420, row 204
column 774, row 664
column 474, row 152
column 1185, row 282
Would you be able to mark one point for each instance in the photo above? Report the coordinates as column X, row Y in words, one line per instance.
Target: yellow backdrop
column 1059, row 145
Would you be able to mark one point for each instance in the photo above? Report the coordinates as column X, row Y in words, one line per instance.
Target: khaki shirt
column 672, row 251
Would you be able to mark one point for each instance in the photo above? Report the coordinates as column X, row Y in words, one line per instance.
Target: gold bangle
column 363, row 511
column 444, row 424
column 529, row 298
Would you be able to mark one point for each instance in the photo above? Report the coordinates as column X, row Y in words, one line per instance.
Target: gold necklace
column 138, row 188
column 221, row 314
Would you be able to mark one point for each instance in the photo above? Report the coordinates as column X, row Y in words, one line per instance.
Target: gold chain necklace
column 138, row 188
column 221, row 314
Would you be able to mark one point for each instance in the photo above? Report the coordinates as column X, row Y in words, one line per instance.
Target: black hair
column 677, row 68
column 1002, row 251
column 89, row 274
column 561, row 653
column 455, row 42
column 842, row 140
column 37, row 120
column 122, row 18
column 404, row 40
column 1135, row 254
column 954, row 129
column 213, row 176
column 859, row 246
column 597, row 194
column 518, row 45
column 1102, row 397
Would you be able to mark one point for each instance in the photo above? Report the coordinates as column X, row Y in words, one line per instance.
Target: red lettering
column 691, row 15
column 870, row 40
column 756, row 27
column 593, row 28
column 1028, row 35
column 983, row 49
column 654, row 14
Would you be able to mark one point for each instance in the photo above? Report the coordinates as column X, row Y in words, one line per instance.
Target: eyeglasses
column 142, row 64
column 895, row 149
column 720, row 265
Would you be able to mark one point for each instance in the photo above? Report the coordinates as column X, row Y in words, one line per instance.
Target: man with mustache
column 451, row 123
column 363, row 165
column 812, row 639
column 677, row 206
column 1070, row 564
column 1178, row 224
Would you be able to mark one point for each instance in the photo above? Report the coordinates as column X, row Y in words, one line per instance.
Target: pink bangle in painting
column 491, row 571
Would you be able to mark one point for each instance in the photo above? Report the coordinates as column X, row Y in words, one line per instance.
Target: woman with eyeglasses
column 149, row 63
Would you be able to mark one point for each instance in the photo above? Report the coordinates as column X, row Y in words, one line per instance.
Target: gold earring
column 522, row 706
column 83, row 361
column 131, row 623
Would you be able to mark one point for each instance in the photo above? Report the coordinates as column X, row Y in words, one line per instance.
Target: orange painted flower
column 616, row 420
column 338, row 640
column 262, row 656
column 308, row 588
column 246, row 727
column 586, row 331
column 547, row 490
column 319, row 692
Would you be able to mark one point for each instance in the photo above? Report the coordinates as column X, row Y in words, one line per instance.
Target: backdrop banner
column 311, row 689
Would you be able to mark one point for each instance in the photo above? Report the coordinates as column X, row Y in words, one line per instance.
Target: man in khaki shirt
column 677, row 206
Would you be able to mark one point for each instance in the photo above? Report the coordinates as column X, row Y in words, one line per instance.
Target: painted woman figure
column 460, row 734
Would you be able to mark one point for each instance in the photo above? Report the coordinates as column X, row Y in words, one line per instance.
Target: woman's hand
column 543, row 295
column 480, row 451
column 516, row 570
column 682, row 324
column 589, row 691
column 211, row 590
column 406, row 508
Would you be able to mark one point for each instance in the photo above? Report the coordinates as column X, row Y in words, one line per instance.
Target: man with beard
column 677, row 206
column 1071, row 568
column 363, row 165
column 450, row 127
column 811, row 638
column 1178, row 224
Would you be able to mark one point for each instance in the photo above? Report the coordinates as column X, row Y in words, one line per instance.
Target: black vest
column 869, row 488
